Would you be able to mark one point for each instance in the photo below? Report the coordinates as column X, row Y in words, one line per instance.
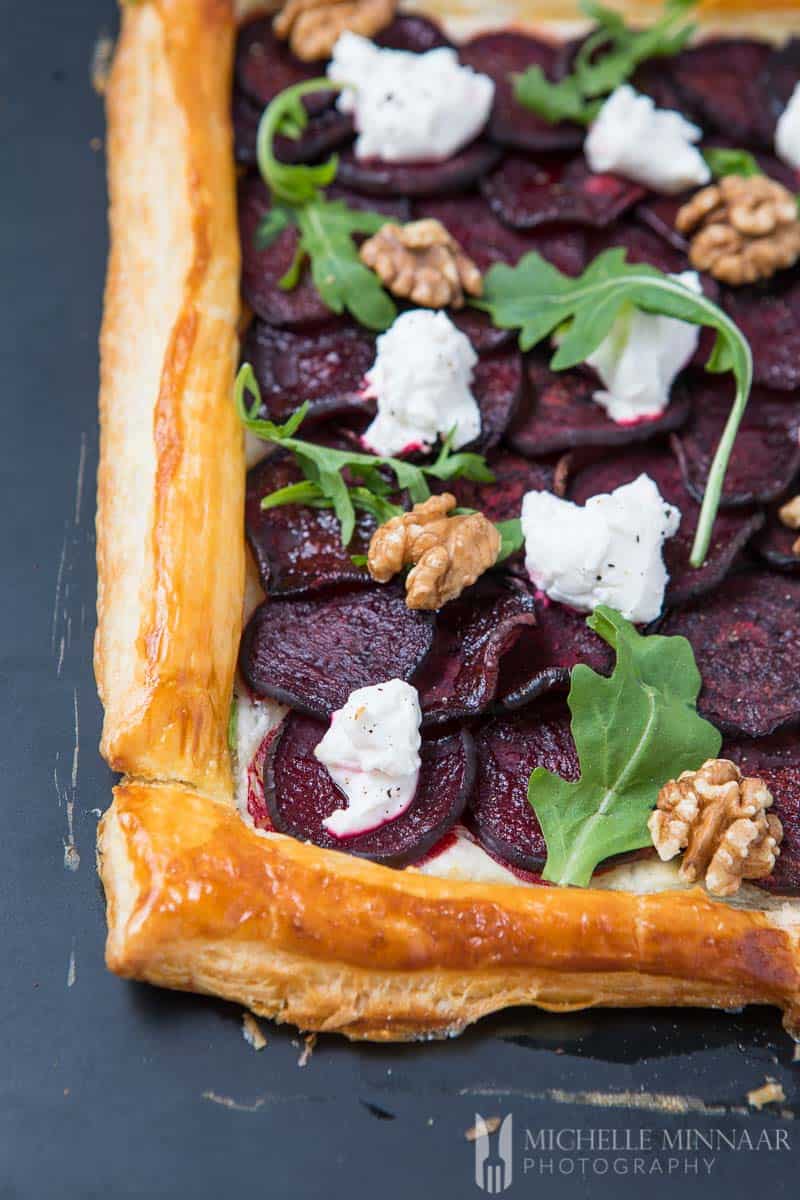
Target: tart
column 230, row 633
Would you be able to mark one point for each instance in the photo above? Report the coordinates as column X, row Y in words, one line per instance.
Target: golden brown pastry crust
column 196, row 899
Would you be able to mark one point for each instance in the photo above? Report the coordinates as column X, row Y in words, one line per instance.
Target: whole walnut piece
column 313, row 27
column 789, row 514
column 745, row 228
column 422, row 261
column 448, row 553
column 719, row 819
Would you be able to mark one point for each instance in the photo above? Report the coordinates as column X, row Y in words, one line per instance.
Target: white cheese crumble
column 640, row 358
column 464, row 859
column 421, row 380
column 606, row 552
column 409, row 107
column 371, row 752
column 652, row 146
column 254, row 718
column 787, row 131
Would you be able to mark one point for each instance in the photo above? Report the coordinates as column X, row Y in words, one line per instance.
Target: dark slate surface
column 113, row 1090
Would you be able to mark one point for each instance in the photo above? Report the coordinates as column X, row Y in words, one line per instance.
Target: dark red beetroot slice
column 325, row 131
column 732, row 529
column 485, row 336
column 300, row 794
column 497, row 385
column 326, row 368
column 265, row 66
column 558, row 413
column 775, row 542
column 769, row 317
column 746, row 640
column 641, row 245
column 721, row 81
column 508, row 749
column 525, row 194
column 378, row 178
column 766, row 454
column 514, row 476
column 777, row 761
column 311, row 654
column 417, row 34
column 473, row 633
column 659, row 212
column 500, row 55
column 544, row 656
column 473, row 224
column 261, row 269
column 781, row 73
column 298, row 548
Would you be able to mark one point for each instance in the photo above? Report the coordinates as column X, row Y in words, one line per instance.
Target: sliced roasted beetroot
column 766, row 453
column 262, row 269
column 417, row 34
column 514, row 476
column 501, row 55
column 325, row 131
column 781, row 74
column 775, row 541
column 545, row 655
column 769, row 317
column 776, row 760
column 721, row 81
column 265, row 66
column 508, row 748
column 732, row 529
column 478, row 327
column 378, row 178
column 558, row 413
column 641, row 244
column 497, row 385
column 246, row 116
column 658, row 213
column 300, row 795
column 313, row 653
column 297, row 548
column 473, row 224
column 473, row 634
column 527, row 193
column 746, row 640
column 325, row 368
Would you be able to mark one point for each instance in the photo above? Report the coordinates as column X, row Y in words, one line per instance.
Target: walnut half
column 313, row 27
column 719, row 819
column 745, row 228
column 421, row 261
column 448, row 553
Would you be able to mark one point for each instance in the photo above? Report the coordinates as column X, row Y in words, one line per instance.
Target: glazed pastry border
column 196, row 899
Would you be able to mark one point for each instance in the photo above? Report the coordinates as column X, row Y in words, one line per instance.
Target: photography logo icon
column 493, row 1168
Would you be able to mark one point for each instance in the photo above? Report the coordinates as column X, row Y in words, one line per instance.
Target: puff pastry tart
column 449, row 566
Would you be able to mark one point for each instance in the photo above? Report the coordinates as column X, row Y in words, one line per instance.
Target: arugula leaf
column 633, row 732
column 511, row 538
column 323, row 467
column 325, row 227
column 731, row 162
column 537, row 299
column 607, row 58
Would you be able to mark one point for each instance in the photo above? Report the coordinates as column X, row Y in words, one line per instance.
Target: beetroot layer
column 732, row 529
column 312, row 653
column 497, row 384
column 508, row 748
column 766, row 454
column 746, row 643
column 298, row 549
column 722, row 83
column 300, row 795
column 473, row 634
column 559, row 414
column 774, row 544
column 266, row 66
column 514, row 476
column 501, row 55
column 776, row 760
column 413, row 33
column 769, row 317
column 526, row 194
column 377, row 178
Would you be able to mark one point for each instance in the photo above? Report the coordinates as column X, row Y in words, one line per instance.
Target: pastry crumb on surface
column 770, row 1092
column 252, row 1032
column 309, row 1042
column 473, row 1133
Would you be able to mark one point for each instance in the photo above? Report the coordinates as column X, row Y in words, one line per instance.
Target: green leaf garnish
column 607, row 58
column 731, row 162
column 323, row 467
column 325, row 227
column 537, row 299
column 511, row 538
column 633, row 732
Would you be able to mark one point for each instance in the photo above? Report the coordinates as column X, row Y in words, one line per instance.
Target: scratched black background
column 111, row 1089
